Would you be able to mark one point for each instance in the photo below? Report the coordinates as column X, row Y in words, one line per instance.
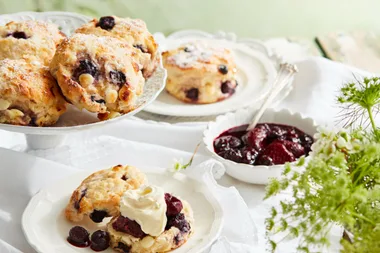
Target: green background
column 248, row 18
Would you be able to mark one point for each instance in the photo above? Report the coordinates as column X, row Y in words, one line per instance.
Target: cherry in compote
column 266, row 144
column 79, row 237
column 100, row 240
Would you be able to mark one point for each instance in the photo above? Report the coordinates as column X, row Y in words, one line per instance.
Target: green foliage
column 178, row 164
column 340, row 183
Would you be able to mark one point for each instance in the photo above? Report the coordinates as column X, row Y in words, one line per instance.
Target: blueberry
column 118, row 77
column 86, row 67
column 100, row 240
column 124, row 177
column 77, row 203
column 141, row 47
column 223, row 69
column 192, row 94
column 227, row 88
column 100, row 101
column 98, row 216
column 106, row 23
column 19, row 35
column 125, row 248
column 178, row 239
column 179, row 222
column 187, row 50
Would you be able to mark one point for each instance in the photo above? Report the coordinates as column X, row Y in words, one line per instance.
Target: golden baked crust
column 199, row 73
column 132, row 31
column 100, row 74
column 169, row 240
column 29, row 95
column 30, row 40
column 102, row 190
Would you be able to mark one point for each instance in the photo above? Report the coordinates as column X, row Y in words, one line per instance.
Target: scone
column 100, row 74
column 151, row 221
column 199, row 73
column 132, row 31
column 29, row 95
column 30, row 40
column 98, row 196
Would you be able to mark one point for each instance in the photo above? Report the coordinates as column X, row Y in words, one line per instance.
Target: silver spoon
column 286, row 72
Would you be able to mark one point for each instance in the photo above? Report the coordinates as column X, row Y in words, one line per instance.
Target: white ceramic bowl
column 256, row 174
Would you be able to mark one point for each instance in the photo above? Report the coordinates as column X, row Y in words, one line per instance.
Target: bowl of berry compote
column 257, row 155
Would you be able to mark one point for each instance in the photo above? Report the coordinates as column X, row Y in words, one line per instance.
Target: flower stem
column 369, row 109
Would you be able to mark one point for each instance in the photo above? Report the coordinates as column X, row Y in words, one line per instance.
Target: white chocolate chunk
column 111, row 96
column 86, row 80
column 4, row 104
column 14, row 113
column 147, row 242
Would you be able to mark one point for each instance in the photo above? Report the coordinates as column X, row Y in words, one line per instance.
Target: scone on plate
column 199, row 73
column 100, row 74
column 29, row 95
column 99, row 195
column 132, row 31
column 30, row 40
column 150, row 221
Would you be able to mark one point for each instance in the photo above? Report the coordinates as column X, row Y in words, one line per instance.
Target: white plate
column 256, row 72
column 74, row 119
column 46, row 228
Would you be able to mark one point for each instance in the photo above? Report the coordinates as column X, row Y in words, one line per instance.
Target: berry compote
column 266, row 144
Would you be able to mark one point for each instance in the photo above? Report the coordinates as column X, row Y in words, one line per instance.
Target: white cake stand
column 75, row 120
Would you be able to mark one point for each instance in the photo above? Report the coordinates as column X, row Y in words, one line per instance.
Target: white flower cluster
column 328, row 141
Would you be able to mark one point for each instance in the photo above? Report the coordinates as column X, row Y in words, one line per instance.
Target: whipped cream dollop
column 145, row 205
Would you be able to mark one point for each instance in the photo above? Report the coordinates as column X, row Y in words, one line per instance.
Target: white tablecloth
column 315, row 88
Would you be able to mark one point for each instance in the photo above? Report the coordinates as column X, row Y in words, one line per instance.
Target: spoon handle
column 283, row 77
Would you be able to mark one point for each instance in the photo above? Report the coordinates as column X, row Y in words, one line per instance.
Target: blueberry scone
column 29, row 95
column 150, row 221
column 100, row 74
column 132, row 31
column 99, row 195
column 199, row 73
column 30, row 40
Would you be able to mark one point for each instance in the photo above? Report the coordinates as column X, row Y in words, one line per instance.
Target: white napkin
column 316, row 86
column 17, row 185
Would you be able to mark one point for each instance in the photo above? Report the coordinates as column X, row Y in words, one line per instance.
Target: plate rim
column 215, row 231
column 65, row 129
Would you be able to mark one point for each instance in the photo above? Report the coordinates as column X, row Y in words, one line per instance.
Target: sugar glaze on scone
column 132, row 31
column 98, row 196
column 29, row 95
column 100, row 74
column 30, row 40
column 150, row 221
column 200, row 73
